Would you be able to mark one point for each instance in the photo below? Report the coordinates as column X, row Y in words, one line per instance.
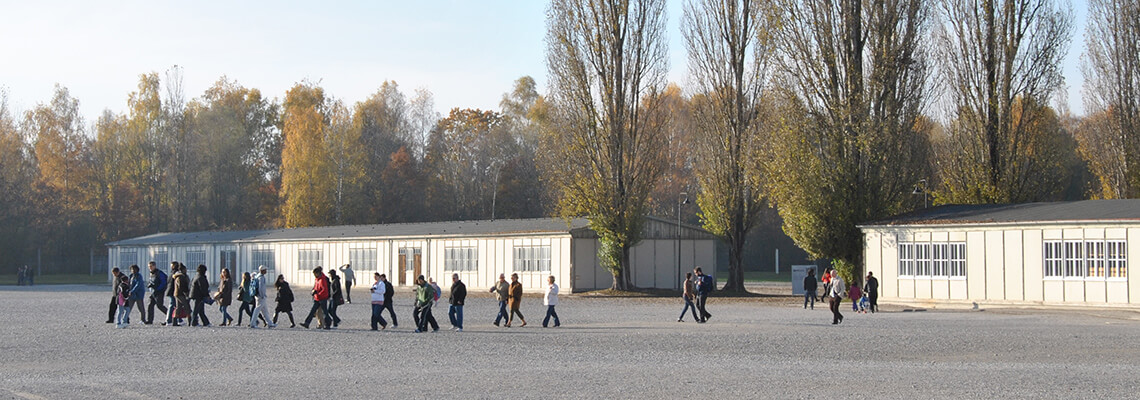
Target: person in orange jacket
column 320, row 298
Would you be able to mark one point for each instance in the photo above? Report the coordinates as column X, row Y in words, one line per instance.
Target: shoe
column 680, row 320
column 112, row 321
column 834, row 323
column 394, row 326
column 273, row 326
column 206, row 326
column 557, row 325
column 459, row 330
column 524, row 324
column 373, row 329
column 327, row 328
column 148, row 323
column 306, row 326
column 292, row 325
column 496, row 323
column 700, row 321
column 253, row 327
column 417, row 331
column 707, row 317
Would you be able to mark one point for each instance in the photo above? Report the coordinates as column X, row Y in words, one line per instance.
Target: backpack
column 255, row 288
column 388, row 290
column 707, row 283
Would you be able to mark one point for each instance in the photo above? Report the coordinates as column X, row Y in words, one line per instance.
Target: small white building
column 1071, row 253
column 477, row 250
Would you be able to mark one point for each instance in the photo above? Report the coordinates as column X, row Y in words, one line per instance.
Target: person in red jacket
column 320, row 298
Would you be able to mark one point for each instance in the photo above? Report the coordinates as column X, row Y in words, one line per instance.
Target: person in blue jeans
column 500, row 290
column 455, row 300
column 704, row 287
column 550, row 299
column 378, row 294
column 688, row 294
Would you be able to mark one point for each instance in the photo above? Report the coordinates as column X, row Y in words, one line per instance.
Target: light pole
column 682, row 200
column 920, row 188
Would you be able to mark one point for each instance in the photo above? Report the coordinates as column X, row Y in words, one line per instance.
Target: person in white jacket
column 838, row 290
column 378, row 290
column 550, row 299
column 258, row 288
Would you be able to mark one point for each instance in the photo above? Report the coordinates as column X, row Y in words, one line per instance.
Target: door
column 401, row 270
column 416, row 259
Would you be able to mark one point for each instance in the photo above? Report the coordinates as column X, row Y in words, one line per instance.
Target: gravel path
column 57, row 346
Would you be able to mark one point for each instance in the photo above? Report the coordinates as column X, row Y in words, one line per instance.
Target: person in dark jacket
column 122, row 290
column 704, row 287
column 225, row 295
column 157, row 286
column 336, row 296
column 388, row 292
column 320, row 298
column 114, row 294
column 199, row 291
column 284, row 300
column 455, row 299
column 137, row 293
column 810, row 286
column 171, row 286
column 871, row 290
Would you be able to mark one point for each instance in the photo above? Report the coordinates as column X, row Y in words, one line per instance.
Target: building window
column 906, row 259
column 127, row 259
column 464, row 258
column 958, row 260
column 411, row 254
column 532, row 258
column 263, row 257
column 161, row 259
column 1095, row 259
column 228, row 259
column 922, row 259
column 932, row 260
column 941, row 259
column 194, row 259
column 308, row 259
column 362, row 259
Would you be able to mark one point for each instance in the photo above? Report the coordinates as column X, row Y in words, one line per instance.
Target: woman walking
column 245, row 299
column 181, row 295
column 199, row 292
column 336, row 298
column 689, row 294
column 225, row 296
column 284, row 300
column 515, row 299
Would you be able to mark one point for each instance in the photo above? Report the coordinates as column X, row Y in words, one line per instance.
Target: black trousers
column 391, row 311
column 348, row 291
column 114, row 308
column 874, row 300
column 424, row 318
column 319, row 305
column 835, row 315
column 199, row 313
column 156, row 300
column 332, row 312
column 701, row 300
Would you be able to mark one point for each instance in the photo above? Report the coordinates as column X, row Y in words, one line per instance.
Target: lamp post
column 682, row 200
column 920, row 188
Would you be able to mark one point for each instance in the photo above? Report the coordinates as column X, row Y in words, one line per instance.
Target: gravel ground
column 56, row 345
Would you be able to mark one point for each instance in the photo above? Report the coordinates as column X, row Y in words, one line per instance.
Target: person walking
column 550, row 299
column 855, row 294
column 181, row 294
column 826, row 283
column 379, row 293
column 257, row 290
column 501, row 290
column 336, row 297
column 704, row 287
column 871, row 290
column 122, row 293
column 389, row 291
column 515, row 293
column 838, row 288
column 157, row 287
column 246, row 300
column 349, row 281
column 425, row 298
column 284, row 300
column 114, row 295
column 199, row 292
column 688, row 293
column 455, row 299
column 137, row 293
column 810, row 286
column 320, row 298
column 225, row 296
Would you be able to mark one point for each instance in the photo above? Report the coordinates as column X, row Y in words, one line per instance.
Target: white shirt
column 261, row 284
column 550, row 298
column 838, row 287
column 378, row 289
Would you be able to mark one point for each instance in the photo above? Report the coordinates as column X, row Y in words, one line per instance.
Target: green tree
column 307, row 187
column 607, row 65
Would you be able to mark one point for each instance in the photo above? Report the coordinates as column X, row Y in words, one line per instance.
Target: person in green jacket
column 425, row 297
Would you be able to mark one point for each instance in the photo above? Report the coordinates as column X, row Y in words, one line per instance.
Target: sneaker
column 680, row 320
column 459, row 329
column 417, row 331
column 306, row 326
column 273, row 325
column 253, row 327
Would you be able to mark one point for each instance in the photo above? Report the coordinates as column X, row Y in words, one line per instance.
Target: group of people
column 696, row 288
column 25, row 276
column 188, row 299
column 862, row 299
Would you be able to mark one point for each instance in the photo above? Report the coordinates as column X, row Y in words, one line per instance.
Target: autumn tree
column 606, row 63
column 521, row 192
column 1000, row 64
column 306, row 170
column 852, row 78
column 17, row 181
column 729, row 48
column 465, row 156
column 1110, row 136
column 383, row 126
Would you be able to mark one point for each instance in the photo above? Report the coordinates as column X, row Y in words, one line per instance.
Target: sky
column 467, row 53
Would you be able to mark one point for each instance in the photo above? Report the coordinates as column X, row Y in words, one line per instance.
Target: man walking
column 349, row 280
column 501, row 289
column 257, row 290
column 157, row 287
column 378, row 294
column 138, row 291
column 704, row 287
column 810, row 286
column 455, row 300
column 320, row 298
column 871, row 290
column 550, row 299
column 425, row 297
column 114, row 294
column 388, row 292
column 838, row 288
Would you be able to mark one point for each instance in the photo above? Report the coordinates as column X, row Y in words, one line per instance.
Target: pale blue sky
column 466, row 52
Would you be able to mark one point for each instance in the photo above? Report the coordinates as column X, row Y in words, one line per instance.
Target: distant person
column 425, row 298
column 455, row 299
column 336, row 297
column 198, row 293
column 349, row 281
column 114, row 295
column 435, row 288
column 181, row 294
column 20, row 276
column 826, row 282
column 122, row 291
column 284, row 301
column 379, row 292
column 258, row 289
column 837, row 291
column 704, row 287
column 514, row 299
column 810, row 286
column 225, row 296
column 137, row 293
column 501, row 289
column 550, row 299
column 320, row 299
column 688, row 294
column 855, row 294
column 871, row 291
column 389, row 291
column 157, row 287
column 172, row 312
column 245, row 298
